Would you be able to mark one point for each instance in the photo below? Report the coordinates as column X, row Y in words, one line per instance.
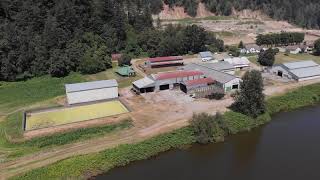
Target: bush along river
column 286, row 148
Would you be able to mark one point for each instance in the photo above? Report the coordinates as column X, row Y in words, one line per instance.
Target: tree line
column 280, row 39
column 57, row 37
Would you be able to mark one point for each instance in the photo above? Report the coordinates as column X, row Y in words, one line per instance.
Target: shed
column 91, row 91
column 206, row 56
column 126, row 71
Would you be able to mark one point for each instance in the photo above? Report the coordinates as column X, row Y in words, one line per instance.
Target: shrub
column 125, row 60
column 207, row 128
column 216, row 96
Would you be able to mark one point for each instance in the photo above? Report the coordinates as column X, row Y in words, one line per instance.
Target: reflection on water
column 287, row 148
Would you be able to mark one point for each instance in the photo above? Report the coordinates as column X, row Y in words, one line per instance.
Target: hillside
column 304, row 13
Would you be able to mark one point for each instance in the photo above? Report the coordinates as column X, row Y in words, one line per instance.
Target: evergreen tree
column 250, row 100
column 317, row 48
column 267, row 58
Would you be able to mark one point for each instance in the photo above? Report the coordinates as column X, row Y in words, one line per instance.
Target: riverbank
column 92, row 164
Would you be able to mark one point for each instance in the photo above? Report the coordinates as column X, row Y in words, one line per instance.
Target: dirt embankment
column 177, row 12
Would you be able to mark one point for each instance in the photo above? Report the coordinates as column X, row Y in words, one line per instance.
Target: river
column 286, row 148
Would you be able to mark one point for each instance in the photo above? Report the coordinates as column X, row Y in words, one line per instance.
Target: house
column 227, row 82
column 165, row 61
column 206, row 56
column 251, row 49
column 222, row 66
column 299, row 71
column 164, row 81
column 91, row 91
column 293, row 49
column 126, row 70
column 239, row 62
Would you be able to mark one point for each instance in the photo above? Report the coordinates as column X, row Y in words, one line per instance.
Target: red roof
column 200, row 81
column 169, row 58
column 116, row 56
column 177, row 74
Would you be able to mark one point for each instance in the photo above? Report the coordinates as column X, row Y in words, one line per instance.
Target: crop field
column 73, row 114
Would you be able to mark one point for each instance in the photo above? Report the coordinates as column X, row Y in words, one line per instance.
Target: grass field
column 74, row 114
column 281, row 58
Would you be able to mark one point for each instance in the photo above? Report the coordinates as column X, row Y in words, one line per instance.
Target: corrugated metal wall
column 92, row 95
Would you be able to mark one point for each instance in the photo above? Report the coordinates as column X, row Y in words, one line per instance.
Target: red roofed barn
column 165, row 61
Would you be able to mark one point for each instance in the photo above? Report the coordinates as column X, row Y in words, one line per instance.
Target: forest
column 56, row 37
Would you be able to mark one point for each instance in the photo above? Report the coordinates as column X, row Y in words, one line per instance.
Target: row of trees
column 56, row 37
column 284, row 38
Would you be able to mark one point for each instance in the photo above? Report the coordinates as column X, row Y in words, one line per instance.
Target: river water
column 288, row 148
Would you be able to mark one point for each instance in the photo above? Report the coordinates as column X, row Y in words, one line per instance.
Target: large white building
column 299, row 71
column 91, row 91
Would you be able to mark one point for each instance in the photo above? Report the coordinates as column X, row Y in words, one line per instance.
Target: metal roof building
column 238, row 62
column 206, row 56
column 164, row 61
column 226, row 81
column 91, row 91
column 300, row 70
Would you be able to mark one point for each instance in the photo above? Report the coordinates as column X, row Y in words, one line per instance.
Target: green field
column 74, row 114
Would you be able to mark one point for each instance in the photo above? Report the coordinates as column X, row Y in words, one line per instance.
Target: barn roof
column 91, row 85
column 306, row 72
column 144, row 83
column 300, row 64
column 168, row 58
column 238, row 61
column 177, row 74
column 199, row 81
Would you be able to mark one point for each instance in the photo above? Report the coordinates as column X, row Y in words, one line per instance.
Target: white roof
column 91, row 85
column 144, row 83
column 238, row 61
column 306, row 72
column 300, row 64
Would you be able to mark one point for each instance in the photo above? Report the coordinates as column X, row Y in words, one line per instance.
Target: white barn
column 91, row 91
column 299, row 71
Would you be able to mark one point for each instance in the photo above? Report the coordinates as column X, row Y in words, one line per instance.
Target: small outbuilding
column 206, row 56
column 299, row 71
column 239, row 62
column 91, row 91
column 126, row 71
